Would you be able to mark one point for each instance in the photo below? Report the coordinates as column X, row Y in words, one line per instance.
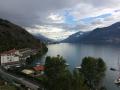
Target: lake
column 74, row 53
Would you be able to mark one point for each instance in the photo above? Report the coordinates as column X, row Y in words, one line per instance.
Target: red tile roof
column 39, row 68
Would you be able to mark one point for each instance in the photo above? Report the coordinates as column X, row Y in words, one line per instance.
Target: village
column 14, row 62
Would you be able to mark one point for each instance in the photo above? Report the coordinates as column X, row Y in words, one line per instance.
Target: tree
column 57, row 73
column 55, row 66
column 78, row 81
column 93, row 70
column 58, row 76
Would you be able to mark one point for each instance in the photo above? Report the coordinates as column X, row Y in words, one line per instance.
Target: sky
column 57, row 19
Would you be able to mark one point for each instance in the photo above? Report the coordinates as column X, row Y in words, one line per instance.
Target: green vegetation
column 13, row 36
column 93, row 70
column 38, row 55
column 8, row 87
column 58, row 76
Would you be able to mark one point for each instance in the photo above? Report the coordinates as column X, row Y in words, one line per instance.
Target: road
column 20, row 80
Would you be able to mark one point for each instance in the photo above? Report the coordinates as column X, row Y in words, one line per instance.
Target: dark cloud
column 30, row 12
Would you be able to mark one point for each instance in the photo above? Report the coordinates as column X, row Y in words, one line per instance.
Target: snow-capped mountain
column 106, row 35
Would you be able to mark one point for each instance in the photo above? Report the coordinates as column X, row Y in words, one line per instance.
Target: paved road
column 21, row 80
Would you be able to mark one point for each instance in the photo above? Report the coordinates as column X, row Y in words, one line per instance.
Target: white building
column 10, row 57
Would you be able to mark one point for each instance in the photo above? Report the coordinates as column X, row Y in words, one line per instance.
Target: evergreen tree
column 93, row 70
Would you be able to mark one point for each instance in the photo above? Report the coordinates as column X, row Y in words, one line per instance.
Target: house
column 10, row 57
column 25, row 53
column 39, row 68
column 14, row 56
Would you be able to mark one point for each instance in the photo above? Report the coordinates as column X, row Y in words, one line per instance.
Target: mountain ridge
column 14, row 36
column 105, row 35
column 43, row 38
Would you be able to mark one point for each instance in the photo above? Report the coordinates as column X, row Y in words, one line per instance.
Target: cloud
column 29, row 12
column 48, row 31
column 56, row 18
column 60, row 18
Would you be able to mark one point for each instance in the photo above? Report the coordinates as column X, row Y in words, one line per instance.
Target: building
column 10, row 57
column 25, row 53
column 14, row 56
column 39, row 69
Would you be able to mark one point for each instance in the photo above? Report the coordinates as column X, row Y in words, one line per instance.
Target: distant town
column 13, row 62
column 16, row 57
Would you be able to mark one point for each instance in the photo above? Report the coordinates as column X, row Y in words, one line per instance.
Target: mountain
column 106, row 35
column 75, row 38
column 43, row 38
column 14, row 36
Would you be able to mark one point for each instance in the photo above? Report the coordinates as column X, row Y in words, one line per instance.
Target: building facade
column 10, row 57
column 16, row 56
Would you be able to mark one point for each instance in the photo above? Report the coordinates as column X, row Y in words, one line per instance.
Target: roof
column 39, row 68
column 25, row 49
column 11, row 63
column 9, row 52
column 27, row 71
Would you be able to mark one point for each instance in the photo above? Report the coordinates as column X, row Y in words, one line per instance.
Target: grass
column 7, row 87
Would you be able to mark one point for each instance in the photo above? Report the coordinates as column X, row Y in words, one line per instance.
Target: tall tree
column 93, row 70
column 78, row 81
column 56, row 72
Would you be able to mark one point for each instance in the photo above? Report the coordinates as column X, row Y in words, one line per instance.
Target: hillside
column 74, row 38
column 106, row 35
column 43, row 38
column 13, row 36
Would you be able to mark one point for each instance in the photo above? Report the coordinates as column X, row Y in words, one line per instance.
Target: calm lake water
column 74, row 53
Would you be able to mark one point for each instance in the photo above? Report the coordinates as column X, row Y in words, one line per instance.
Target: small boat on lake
column 113, row 69
column 117, row 81
column 78, row 67
column 67, row 64
column 38, row 63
